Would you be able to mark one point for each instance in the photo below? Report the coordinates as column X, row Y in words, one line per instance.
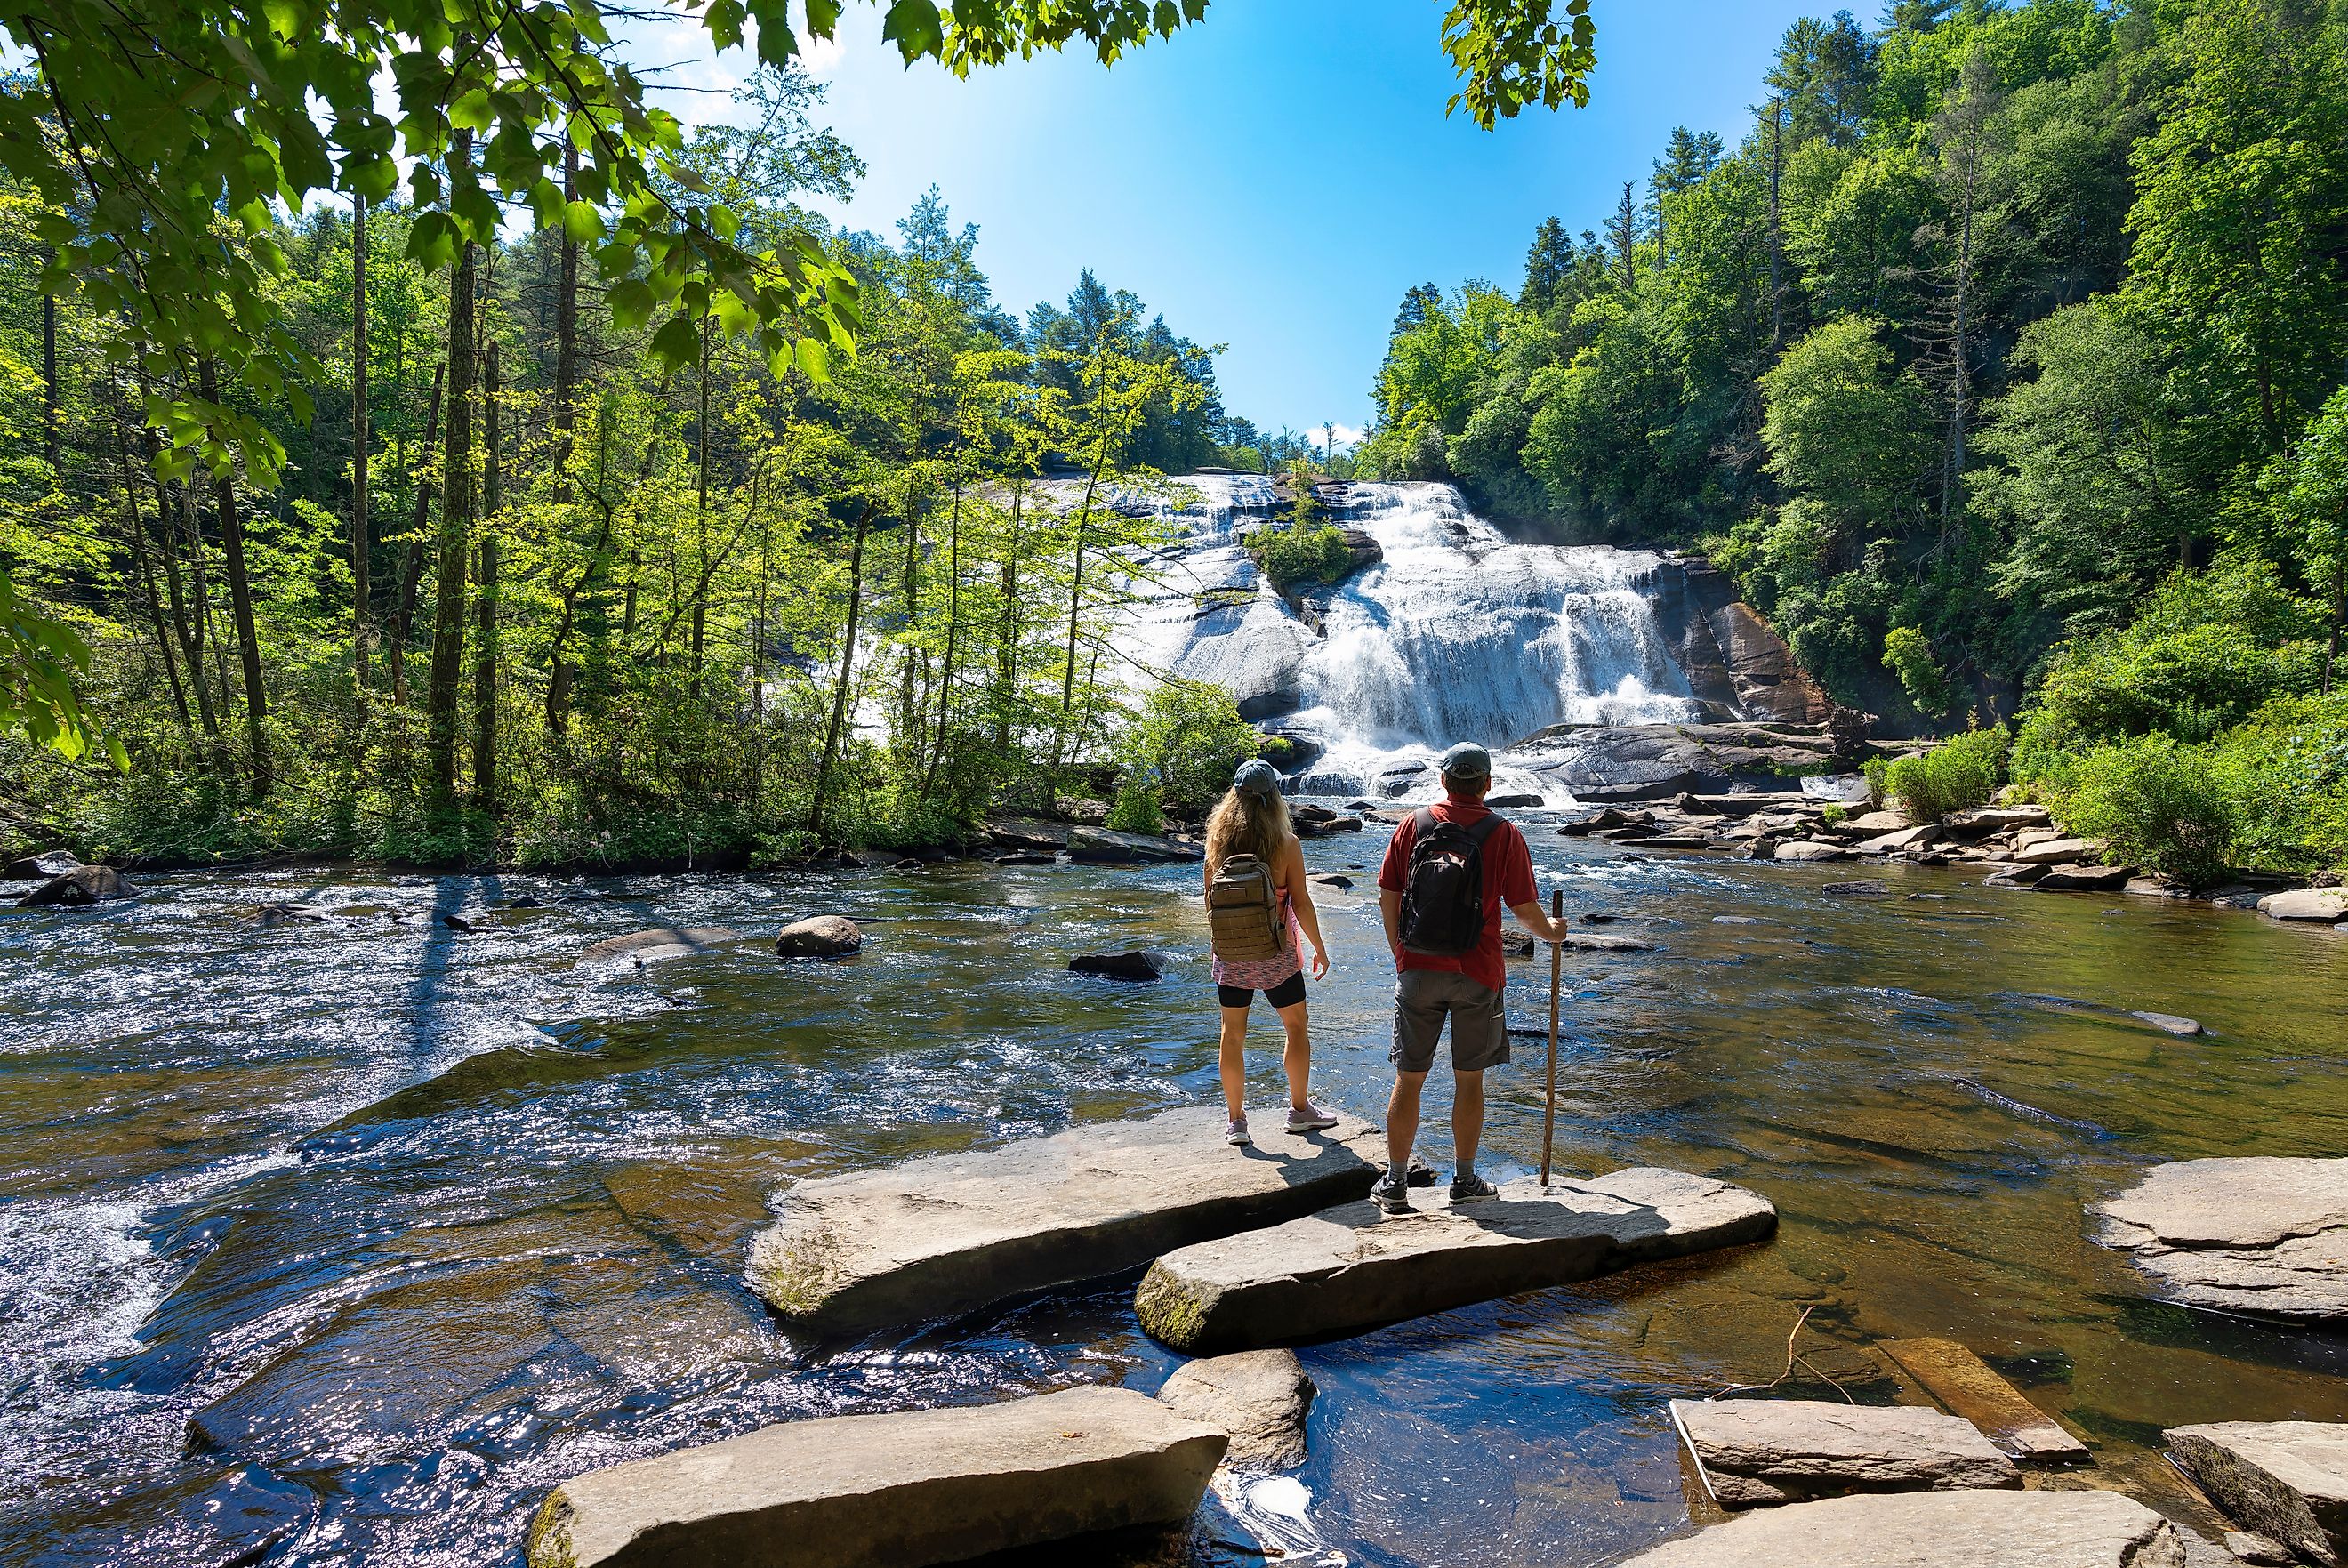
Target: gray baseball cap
column 1256, row 777
column 1467, row 760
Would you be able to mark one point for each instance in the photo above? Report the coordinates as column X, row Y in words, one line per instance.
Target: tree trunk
column 953, row 628
column 199, row 621
column 1777, row 232
column 910, row 708
column 1010, row 649
column 701, row 509
column 487, row 638
column 566, row 333
column 50, row 431
column 362, row 435
column 137, row 527
column 455, row 522
column 240, row 601
column 847, row 666
column 403, row 622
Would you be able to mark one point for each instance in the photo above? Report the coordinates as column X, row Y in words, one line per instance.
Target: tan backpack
column 1243, row 912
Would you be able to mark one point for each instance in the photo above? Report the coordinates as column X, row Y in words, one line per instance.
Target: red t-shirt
column 1507, row 866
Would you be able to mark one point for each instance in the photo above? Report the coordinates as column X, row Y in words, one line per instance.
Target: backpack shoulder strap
column 1423, row 821
column 1492, row 822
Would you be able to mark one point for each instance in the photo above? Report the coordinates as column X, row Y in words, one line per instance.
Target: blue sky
column 1275, row 177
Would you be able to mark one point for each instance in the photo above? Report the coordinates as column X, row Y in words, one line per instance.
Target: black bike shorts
column 1287, row 994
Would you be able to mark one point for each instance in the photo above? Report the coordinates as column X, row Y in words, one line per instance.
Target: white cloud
column 1343, row 434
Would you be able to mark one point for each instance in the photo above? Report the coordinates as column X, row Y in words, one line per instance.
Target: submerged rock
column 658, row 942
column 1103, row 846
column 1756, row 1452
column 819, row 936
column 902, row 1491
column 1857, row 889
column 1134, row 965
column 2167, row 1023
column 78, row 889
column 1258, row 1397
column 2286, row 1480
column 1969, row 1528
column 2263, row 1235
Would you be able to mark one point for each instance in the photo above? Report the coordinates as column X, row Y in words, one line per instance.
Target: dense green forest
column 2002, row 363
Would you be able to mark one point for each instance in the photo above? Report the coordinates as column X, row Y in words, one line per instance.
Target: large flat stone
column 944, row 1235
column 2286, row 1480
column 2320, row 903
column 1756, row 1452
column 1966, row 1385
column 1936, row 1530
column 2263, row 1234
column 888, row 1492
column 1354, row 1268
column 1258, row 1397
column 658, row 942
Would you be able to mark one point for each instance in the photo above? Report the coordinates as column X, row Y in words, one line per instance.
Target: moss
column 549, row 1546
column 1171, row 1314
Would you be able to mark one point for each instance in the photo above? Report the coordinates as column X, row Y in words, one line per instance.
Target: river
column 331, row 1243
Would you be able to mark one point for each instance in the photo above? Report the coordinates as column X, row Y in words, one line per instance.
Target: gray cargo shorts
column 1479, row 1023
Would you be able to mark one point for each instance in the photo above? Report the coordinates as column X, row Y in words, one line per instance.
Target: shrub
column 1293, row 556
column 1185, row 744
column 2159, row 802
column 1908, row 653
column 1136, row 809
column 2286, row 772
column 1962, row 771
column 1877, row 772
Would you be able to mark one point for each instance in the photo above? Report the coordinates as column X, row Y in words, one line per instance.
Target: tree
column 1547, row 266
column 2311, row 486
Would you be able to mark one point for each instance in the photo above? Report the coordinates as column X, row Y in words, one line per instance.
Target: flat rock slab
column 1966, row 1386
column 660, row 942
column 2286, row 1480
column 1104, row 846
column 889, row 1492
column 2262, row 1236
column 1936, row 1530
column 1356, row 1268
column 1758, row 1452
column 942, row 1235
column 1258, row 1397
column 1813, row 849
column 2321, row 903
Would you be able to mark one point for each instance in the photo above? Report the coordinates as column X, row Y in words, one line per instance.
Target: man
column 1448, row 872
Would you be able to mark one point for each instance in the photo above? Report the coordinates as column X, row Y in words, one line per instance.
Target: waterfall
column 1458, row 633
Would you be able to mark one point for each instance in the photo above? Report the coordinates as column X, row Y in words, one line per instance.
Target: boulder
column 1503, row 802
column 1867, row 824
column 1857, row 889
column 2155, row 887
column 2329, row 904
column 2004, row 873
column 1582, row 942
column 2287, row 1481
column 2259, row 1550
column 1966, row 1386
column 1515, row 943
column 819, row 936
column 1756, row 1452
column 1901, row 839
column 51, row 864
column 1105, row 846
column 942, row 1235
column 2263, row 1235
column 1353, row 1268
column 2054, row 852
column 1966, row 1529
column 1984, row 820
column 1027, row 835
column 2084, row 879
column 1334, row 879
column 1258, row 1397
column 889, row 1492
column 283, row 912
column 78, row 889
column 660, row 942
column 1813, row 849
column 1136, row 964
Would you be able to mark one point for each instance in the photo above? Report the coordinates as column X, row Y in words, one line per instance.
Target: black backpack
column 1442, row 895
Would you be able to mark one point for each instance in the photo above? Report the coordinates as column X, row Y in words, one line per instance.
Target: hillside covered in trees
column 2002, row 362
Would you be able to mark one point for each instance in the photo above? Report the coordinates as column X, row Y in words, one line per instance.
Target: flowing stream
column 341, row 1242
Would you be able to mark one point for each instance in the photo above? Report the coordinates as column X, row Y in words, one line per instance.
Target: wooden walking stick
column 1556, row 975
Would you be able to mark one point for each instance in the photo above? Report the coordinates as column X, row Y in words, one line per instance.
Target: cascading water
column 1457, row 634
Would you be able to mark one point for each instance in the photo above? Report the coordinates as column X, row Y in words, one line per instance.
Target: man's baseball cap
column 1256, row 777
column 1467, row 760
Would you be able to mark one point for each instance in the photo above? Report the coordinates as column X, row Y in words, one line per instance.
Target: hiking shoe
column 1393, row 1197
column 1467, row 1188
column 1309, row 1118
column 1236, row 1134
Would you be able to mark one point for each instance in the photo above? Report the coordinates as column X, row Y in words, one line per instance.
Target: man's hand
column 1390, row 915
column 1536, row 920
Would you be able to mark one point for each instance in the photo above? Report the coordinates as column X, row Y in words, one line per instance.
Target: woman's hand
column 1319, row 961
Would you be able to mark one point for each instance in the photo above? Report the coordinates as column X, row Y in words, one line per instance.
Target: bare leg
column 1298, row 1059
column 1234, row 1061
column 1402, row 1119
column 1467, row 1120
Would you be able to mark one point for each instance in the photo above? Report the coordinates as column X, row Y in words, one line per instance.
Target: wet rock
column 1966, row 1529
column 2262, row 1236
column 2005, row 874
column 1679, row 842
column 1332, row 879
column 660, row 942
column 1103, row 846
column 944, row 1235
column 1352, row 1268
column 1966, row 1386
column 51, row 864
column 1258, row 1397
column 2056, row 853
column 908, row 864
column 1898, row 839
column 1517, row 944
column 1504, row 802
column 1134, row 965
column 1756, row 1452
column 1026, row 860
column 78, row 889
column 1813, row 849
column 1027, row 835
column 457, row 923
column 2167, row 1023
column 2084, row 879
column 900, row 1490
column 283, row 912
column 1857, row 889
column 2326, row 904
column 2286, row 1480
column 1737, row 920
column 1587, row 942
column 2155, row 887
column 819, row 936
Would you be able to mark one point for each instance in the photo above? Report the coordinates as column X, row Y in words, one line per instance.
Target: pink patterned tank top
column 1264, row 974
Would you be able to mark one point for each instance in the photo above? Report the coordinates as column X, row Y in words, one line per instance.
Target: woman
column 1253, row 820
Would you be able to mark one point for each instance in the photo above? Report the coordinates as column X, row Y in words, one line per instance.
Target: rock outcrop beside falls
column 1653, row 761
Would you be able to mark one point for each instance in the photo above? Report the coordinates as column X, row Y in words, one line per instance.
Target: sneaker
column 1236, row 1134
column 1309, row 1118
column 1467, row 1188
column 1393, row 1197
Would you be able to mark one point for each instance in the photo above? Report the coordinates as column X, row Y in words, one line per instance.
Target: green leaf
column 632, row 304
column 477, row 209
column 915, row 28
column 472, row 111
column 677, row 343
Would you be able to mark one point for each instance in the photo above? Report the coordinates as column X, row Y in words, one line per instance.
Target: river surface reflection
column 342, row 1242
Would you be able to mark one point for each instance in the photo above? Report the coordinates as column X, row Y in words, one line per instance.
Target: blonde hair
column 1244, row 824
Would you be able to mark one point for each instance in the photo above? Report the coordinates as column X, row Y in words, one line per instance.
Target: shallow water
column 331, row 1243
